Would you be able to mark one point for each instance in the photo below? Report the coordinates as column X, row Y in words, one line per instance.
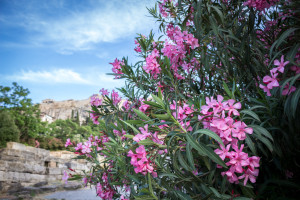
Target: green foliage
column 26, row 115
column 8, row 129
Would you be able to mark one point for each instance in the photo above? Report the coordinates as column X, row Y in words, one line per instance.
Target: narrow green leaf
column 162, row 116
column 146, row 142
column 294, row 101
column 250, row 144
column 216, row 193
column 189, row 156
column 211, row 134
column 229, row 93
column 205, row 151
column 251, row 113
column 133, row 128
column 182, row 161
column 151, row 103
column 142, row 115
column 261, row 130
column 168, row 175
column 158, row 100
column 129, row 136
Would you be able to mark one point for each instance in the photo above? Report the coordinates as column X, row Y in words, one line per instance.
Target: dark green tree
column 26, row 115
column 8, row 129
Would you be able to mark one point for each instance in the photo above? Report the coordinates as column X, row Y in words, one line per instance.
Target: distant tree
column 26, row 115
column 8, row 129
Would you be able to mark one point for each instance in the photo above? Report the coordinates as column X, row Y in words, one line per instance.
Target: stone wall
column 20, row 164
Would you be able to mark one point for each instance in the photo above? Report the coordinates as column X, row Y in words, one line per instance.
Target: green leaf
column 261, row 130
column 133, row 128
column 251, row 113
column 182, row 161
column 189, row 156
column 135, row 122
column 150, row 186
column 151, row 103
column 146, row 142
column 216, row 193
column 250, row 144
column 129, row 136
column 211, row 134
column 142, row 115
column 162, row 116
column 229, row 93
column 182, row 195
column 294, row 102
column 168, row 175
column 205, row 151
column 158, row 100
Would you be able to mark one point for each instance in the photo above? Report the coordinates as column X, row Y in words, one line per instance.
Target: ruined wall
column 28, row 165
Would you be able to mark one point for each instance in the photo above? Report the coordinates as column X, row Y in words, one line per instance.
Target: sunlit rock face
column 52, row 110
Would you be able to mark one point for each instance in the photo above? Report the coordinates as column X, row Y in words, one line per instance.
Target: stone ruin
column 25, row 166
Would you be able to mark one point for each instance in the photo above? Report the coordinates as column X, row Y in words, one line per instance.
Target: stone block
column 3, row 165
column 15, row 145
column 55, row 171
column 52, row 164
column 3, row 176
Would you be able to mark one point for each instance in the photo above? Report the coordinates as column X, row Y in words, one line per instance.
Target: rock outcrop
column 52, row 110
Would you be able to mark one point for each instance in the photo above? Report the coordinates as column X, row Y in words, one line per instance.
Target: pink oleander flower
column 138, row 47
column 281, row 64
column 94, row 117
column 249, row 174
column 224, row 152
column 260, row 5
column 115, row 98
column 86, row 148
column 79, row 146
column 117, row 67
column 287, row 90
column 240, row 130
column 126, row 105
column 104, row 92
column 144, row 135
column 68, row 142
column 231, row 176
column 143, row 106
column 266, row 89
column 238, row 159
column 271, row 81
column 232, row 108
column 140, row 162
column 95, row 101
column 152, row 66
column 65, row 177
column 295, row 69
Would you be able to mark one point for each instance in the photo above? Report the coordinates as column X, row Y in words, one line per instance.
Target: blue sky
column 61, row 49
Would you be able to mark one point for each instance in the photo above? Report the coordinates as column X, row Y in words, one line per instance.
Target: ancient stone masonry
column 52, row 110
column 24, row 165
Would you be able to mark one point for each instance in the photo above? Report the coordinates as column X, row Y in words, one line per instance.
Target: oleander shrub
column 211, row 111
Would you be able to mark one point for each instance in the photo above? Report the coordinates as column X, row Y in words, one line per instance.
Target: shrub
column 211, row 112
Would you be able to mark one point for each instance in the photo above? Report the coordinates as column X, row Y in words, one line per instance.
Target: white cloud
column 66, row 76
column 81, row 30
column 54, row 76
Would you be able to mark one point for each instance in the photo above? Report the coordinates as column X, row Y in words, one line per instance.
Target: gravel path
column 82, row 194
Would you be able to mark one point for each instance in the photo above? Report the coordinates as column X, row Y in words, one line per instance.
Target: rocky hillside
column 52, row 110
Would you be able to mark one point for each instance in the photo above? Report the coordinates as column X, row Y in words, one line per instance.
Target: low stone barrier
column 23, row 166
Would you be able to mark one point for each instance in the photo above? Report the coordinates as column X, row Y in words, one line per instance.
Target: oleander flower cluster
column 219, row 117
